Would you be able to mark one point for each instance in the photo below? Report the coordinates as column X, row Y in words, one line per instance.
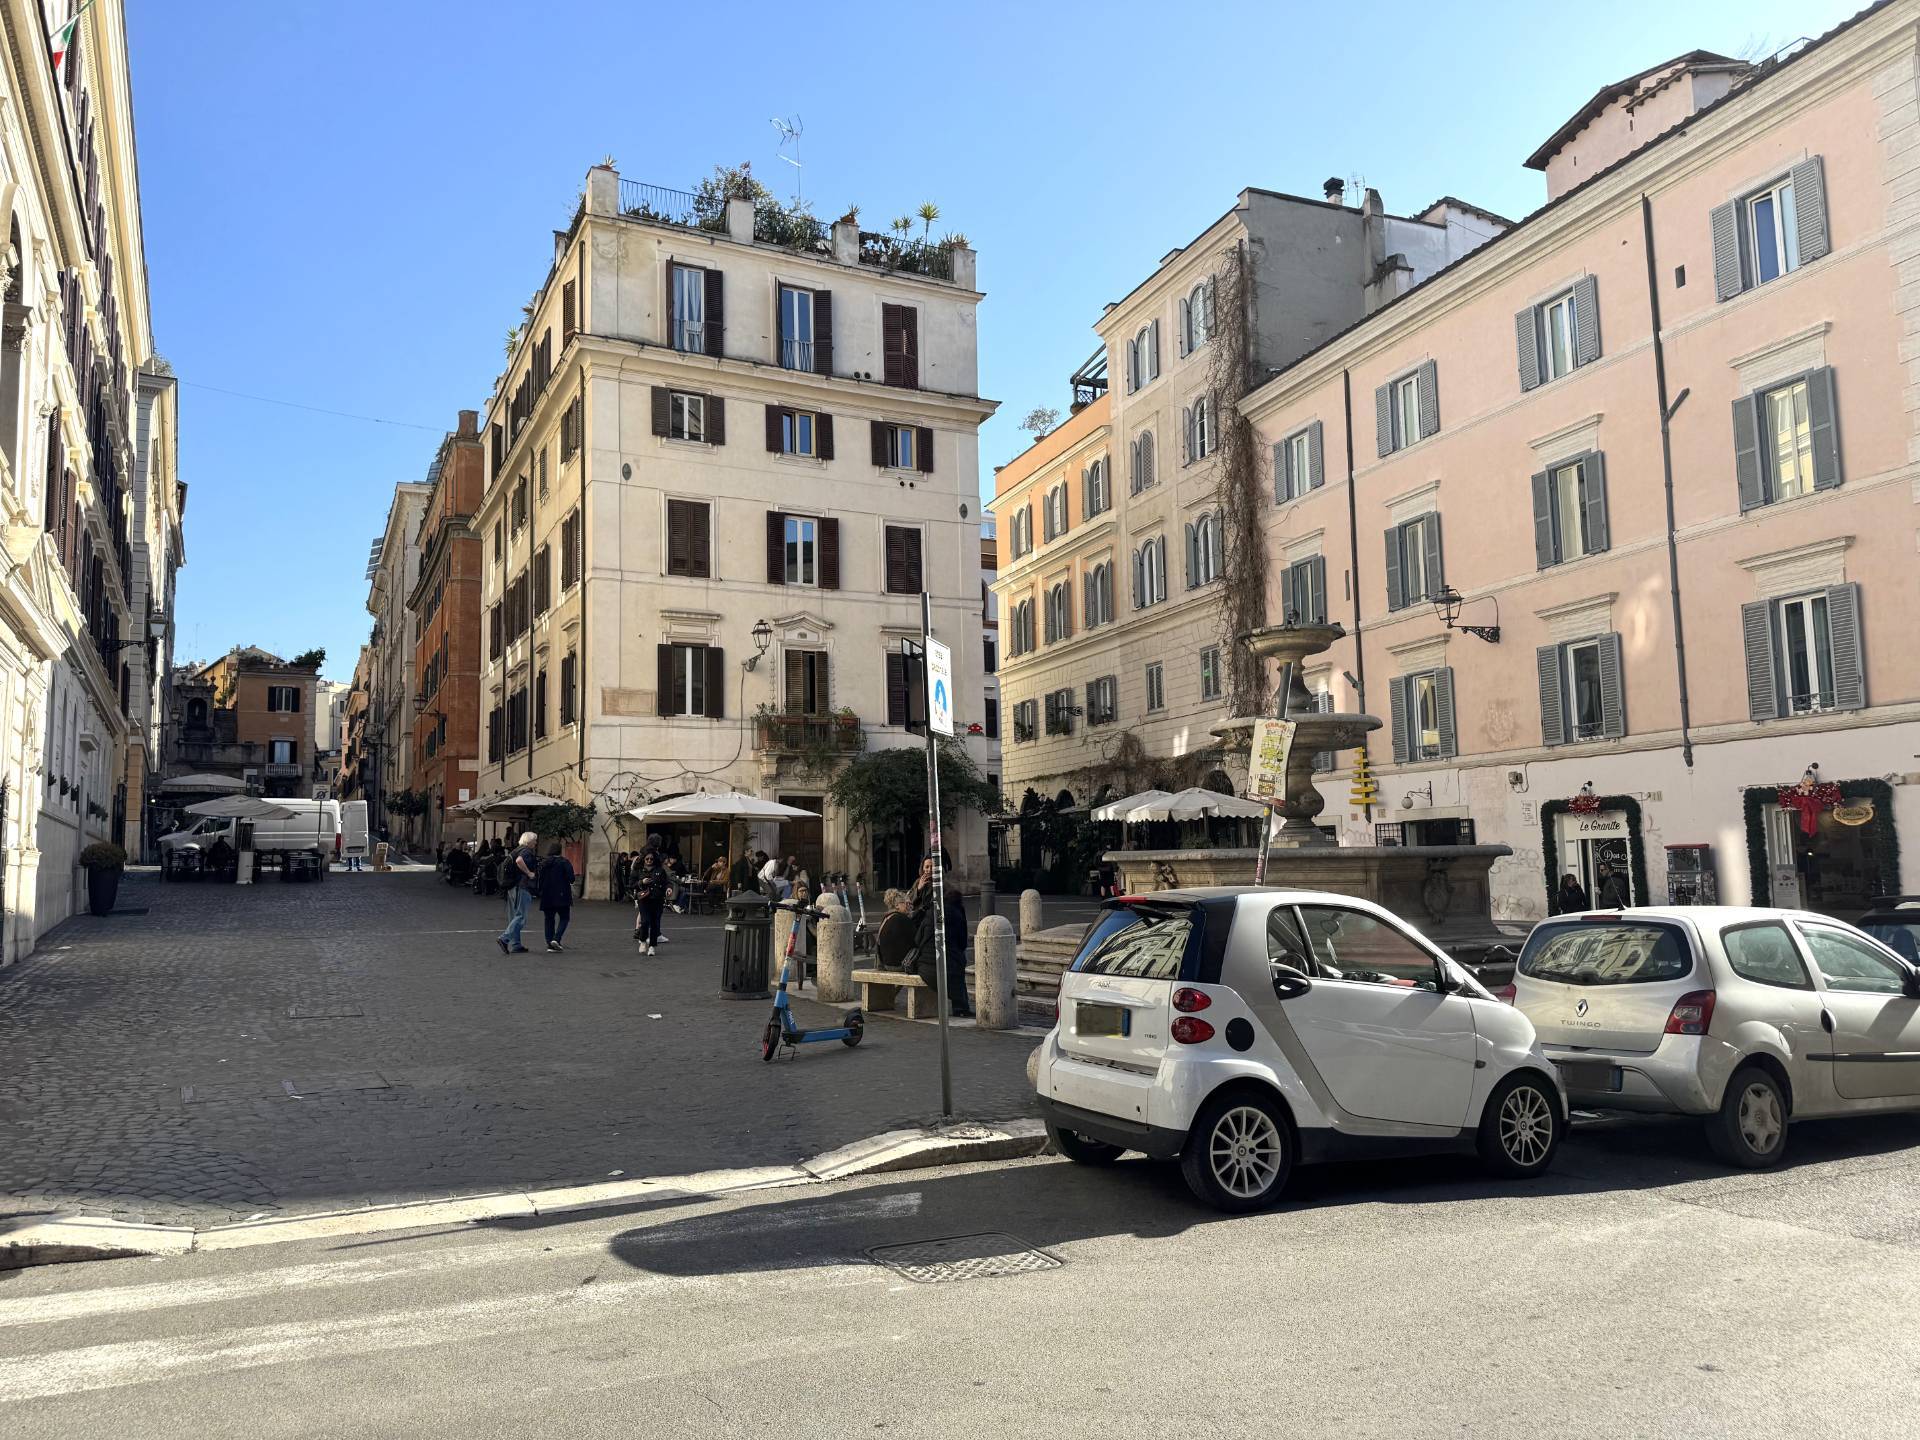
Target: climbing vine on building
column 1239, row 487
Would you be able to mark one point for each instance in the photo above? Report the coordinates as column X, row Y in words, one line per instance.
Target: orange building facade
column 445, row 605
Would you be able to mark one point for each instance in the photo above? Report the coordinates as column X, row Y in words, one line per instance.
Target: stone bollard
column 1029, row 912
column 782, row 932
column 994, row 964
column 833, row 965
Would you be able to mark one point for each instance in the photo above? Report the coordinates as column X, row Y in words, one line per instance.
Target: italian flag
column 63, row 38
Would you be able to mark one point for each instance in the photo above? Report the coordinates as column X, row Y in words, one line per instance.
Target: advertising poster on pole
column 1267, row 772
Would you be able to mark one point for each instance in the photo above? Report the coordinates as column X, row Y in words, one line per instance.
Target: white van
column 354, row 838
column 314, row 825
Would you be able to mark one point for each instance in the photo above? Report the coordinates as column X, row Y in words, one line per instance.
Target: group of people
column 1609, row 883
column 526, row 877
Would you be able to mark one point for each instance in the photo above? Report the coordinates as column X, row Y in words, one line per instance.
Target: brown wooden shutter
column 915, row 583
column 923, row 449
column 716, row 659
column 568, row 303
column 678, row 562
column 893, row 341
column 774, row 413
column 896, row 550
column 910, row 348
column 822, row 684
column 829, row 554
column 716, row 313
column 823, row 436
column 796, row 683
column 700, row 541
column 716, row 420
column 776, row 548
column 663, row 696
column 896, row 688
column 882, row 444
column 823, row 332
column 662, row 410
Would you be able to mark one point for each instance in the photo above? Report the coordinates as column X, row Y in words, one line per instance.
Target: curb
column 30, row 1240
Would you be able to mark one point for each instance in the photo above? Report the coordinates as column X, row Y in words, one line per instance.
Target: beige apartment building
column 1658, row 445
column 728, row 453
column 386, row 749
column 1113, row 529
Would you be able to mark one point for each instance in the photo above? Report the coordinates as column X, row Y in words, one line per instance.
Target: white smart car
column 1247, row 1030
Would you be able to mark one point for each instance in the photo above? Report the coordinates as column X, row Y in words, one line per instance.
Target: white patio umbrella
column 727, row 805
column 524, row 803
column 1197, row 804
column 1117, row 809
column 240, row 807
column 204, row 785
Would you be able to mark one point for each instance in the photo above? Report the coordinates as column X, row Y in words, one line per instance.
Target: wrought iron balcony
column 797, row 733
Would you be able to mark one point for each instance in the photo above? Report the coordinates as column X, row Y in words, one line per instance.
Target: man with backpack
column 518, row 877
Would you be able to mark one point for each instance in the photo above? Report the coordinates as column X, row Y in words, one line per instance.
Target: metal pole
column 939, row 860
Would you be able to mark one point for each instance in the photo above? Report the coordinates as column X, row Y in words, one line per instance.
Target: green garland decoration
column 1755, row 799
column 1550, row 845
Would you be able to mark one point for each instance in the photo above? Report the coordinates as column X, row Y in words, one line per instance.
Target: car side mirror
column 1444, row 982
column 1289, row 983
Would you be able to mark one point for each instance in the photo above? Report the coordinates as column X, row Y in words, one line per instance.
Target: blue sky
column 347, row 204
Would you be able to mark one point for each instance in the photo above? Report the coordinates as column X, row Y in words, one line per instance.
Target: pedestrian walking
column 524, row 871
column 1613, row 889
column 1572, row 897
column 556, row 896
column 956, row 923
column 649, row 899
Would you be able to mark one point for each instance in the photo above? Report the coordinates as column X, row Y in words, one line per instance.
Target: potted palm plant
column 104, row 862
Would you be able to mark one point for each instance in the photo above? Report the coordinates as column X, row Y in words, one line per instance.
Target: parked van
column 314, row 825
column 354, row 838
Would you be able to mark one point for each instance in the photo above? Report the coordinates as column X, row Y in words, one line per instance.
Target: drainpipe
column 1353, row 555
column 1667, row 410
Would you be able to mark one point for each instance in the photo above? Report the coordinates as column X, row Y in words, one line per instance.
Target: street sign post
column 939, row 691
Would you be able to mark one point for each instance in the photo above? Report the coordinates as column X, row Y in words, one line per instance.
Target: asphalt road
column 1638, row 1290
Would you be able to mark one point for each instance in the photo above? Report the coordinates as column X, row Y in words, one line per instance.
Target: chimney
column 1336, row 190
column 469, row 424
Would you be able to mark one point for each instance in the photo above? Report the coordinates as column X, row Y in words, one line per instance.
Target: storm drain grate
column 963, row 1257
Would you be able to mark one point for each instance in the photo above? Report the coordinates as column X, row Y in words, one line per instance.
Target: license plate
column 1589, row 1074
column 1101, row 1020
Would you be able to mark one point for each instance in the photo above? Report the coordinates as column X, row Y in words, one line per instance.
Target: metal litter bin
column 748, row 945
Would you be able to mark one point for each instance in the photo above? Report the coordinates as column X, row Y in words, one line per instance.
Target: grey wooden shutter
column 1316, row 577
column 1153, row 351
column 1553, row 712
column 1746, row 452
column 1402, row 707
column 1586, row 320
column 1160, row 570
column 1443, row 705
column 1823, row 429
column 1849, row 671
column 1593, row 500
column 1526, row 345
column 823, row 332
column 1282, row 481
column 714, row 325
column 1613, row 705
column 1429, row 388
column 1290, row 595
column 1383, row 420
column 1086, row 494
column 1193, row 557
column 1316, row 463
column 1133, row 366
column 1810, row 208
column 1729, row 268
column 1436, row 571
column 1219, row 546
column 662, row 410
column 1763, row 694
column 1545, row 552
column 716, row 431
column 1396, row 591
column 1186, row 325
column 1139, row 579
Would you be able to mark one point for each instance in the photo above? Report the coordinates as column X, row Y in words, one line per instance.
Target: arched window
column 1098, row 609
column 1143, row 356
column 1198, row 432
column 1196, row 317
column 1094, row 499
column 1142, row 461
column 1059, row 612
column 1055, row 511
column 1150, row 573
column 1204, row 550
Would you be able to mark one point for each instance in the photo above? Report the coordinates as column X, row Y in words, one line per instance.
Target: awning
column 240, row 807
column 728, row 805
column 203, row 785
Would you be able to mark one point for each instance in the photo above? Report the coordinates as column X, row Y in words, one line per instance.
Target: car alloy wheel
column 1244, row 1150
column 1526, row 1126
column 1759, row 1118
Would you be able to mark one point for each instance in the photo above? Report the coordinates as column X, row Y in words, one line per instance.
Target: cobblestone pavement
column 295, row 1048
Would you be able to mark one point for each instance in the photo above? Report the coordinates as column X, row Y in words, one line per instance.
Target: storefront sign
column 1859, row 812
column 1594, row 825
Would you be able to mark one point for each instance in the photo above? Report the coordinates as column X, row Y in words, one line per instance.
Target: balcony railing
column 776, row 225
column 905, row 255
column 798, row 734
column 671, row 207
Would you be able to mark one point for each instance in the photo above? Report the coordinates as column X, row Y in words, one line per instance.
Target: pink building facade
column 1691, row 619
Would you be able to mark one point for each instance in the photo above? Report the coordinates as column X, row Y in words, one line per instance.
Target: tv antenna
column 790, row 133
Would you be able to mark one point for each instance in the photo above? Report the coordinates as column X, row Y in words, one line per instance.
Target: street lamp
column 1447, row 603
column 762, row 638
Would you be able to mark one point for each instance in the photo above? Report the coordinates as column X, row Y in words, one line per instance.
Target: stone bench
column 879, row 989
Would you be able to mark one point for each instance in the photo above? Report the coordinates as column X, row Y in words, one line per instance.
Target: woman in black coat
column 649, row 899
column 1572, row 897
column 956, row 926
column 555, row 886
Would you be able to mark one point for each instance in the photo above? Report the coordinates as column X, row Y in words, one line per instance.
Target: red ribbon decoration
column 1811, row 802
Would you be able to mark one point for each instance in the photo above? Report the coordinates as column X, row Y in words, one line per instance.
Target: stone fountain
column 1442, row 890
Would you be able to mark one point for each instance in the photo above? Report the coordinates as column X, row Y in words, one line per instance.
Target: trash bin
column 749, row 939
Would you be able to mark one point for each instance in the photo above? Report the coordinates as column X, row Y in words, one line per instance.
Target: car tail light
column 1692, row 1013
column 1191, row 1030
column 1187, row 999
column 1508, row 992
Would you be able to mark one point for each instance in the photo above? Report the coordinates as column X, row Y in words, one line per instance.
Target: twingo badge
column 1858, row 812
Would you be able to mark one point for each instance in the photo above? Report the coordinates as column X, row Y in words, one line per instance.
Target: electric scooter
column 780, row 1027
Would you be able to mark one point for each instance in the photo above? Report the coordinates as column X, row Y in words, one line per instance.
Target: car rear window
column 1605, row 953
column 1145, row 944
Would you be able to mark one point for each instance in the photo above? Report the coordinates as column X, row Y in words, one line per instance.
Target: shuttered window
column 692, row 681
column 1570, row 510
column 1423, row 716
column 1026, row 717
column 1786, row 440
column 1771, row 231
column 493, row 631
column 1304, row 591
column 1581, row 690
column 1096, row 494
column 1407, row 409
column 543, row 580
column 1059, row 711
column 1142, row 458
column 906, row 692
column 695, row 323
column 808, row 691
column 569, row 683
column 799, row 432
column 900, row 345
column 1804, row 654
column 1210, row 673
column 1298, row 464
column 1059, row 612
column 1206, row 552
column 690, row 539
column 1097, row 605
column 569, row 312
column 903, row 569
column 1414, row 569
column 570, row 553
column 1103, row 700
column 1156, row 687
column 1556, row 336
column 540, row 705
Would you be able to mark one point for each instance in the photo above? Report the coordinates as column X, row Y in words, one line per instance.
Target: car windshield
column 1900, row 936
column 1589, row 953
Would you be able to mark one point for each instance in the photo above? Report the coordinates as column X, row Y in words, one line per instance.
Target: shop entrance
column 1589, row 840
column 1835, row 870
column 803, row 839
